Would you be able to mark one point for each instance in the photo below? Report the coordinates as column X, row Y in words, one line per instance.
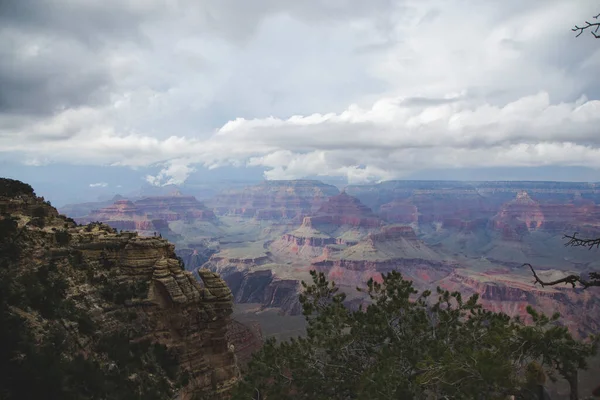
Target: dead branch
column 574, row 241
column 570, row 279
column 592, row 26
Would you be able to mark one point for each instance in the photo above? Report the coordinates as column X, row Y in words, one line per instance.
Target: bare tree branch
column 571, row 279
column 592, row 26
column 574, row 241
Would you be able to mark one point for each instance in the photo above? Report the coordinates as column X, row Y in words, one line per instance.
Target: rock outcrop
column 305, row 242
column 519, row 217
column 111, row 273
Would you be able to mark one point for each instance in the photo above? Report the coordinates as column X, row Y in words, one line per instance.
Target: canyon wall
column 112, row 274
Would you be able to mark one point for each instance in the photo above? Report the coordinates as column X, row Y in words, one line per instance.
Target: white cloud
column 175, row 173
column 99, row 184
column 384, row 141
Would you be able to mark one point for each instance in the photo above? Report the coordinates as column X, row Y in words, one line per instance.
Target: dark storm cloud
column 54, row 54
column 59, row 77
column 90, row 21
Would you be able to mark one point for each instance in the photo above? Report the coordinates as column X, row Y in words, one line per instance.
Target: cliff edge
column 120, row 286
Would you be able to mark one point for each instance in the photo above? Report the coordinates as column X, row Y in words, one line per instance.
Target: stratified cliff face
column 393, row 248
column 150, row 214
column 305, row 242
column 274, row 200
column 112, row 274
column 518, row 217
column 174, row 208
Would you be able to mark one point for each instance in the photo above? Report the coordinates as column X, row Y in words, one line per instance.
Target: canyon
column 469, row 236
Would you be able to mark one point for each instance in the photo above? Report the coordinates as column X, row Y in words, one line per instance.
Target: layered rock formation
column 342, row 220
column 274, row 200
column 79, row 210
column 518, row 217
column 112, row 274
column 174, row 208
column 393, row 248
column 305, row 242
column 151, row 214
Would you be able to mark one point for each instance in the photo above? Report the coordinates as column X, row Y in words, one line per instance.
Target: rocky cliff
column 125, row 280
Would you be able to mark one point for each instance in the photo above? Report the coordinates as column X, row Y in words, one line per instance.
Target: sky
column 100, row 95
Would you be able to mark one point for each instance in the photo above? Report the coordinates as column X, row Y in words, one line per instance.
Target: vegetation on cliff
column 50, row 346
column 407, row 345
column 90, row 313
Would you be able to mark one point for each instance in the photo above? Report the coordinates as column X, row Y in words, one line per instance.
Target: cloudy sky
column 109, row 93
